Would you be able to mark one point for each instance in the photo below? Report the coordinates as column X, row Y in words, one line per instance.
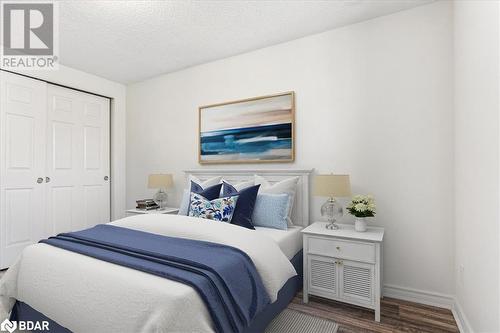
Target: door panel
column 63, row 145
column 96, row 159
column 93, row 210
column 19, row 141
column 92, row 141
column 16, row 201
column 62, row 136
column 322, row 277
column 22, row 156
column 77, row 159
column 357, row 282
column 62, row 208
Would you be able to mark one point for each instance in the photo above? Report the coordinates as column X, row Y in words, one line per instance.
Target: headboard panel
column 300, row 214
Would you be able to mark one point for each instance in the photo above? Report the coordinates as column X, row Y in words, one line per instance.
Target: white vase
column 360, row 224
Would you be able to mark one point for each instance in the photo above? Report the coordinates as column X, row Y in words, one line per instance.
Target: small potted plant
column 361, row 207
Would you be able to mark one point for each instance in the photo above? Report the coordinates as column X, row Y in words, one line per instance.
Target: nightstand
column 344, row 265
column 166, row 210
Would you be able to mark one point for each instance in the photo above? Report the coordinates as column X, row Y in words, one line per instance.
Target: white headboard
column 300, row 214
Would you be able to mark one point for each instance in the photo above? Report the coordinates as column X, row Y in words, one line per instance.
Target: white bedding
column 289, row 241
column 88, row 295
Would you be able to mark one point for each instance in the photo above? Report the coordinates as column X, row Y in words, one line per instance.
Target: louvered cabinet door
column 322, row 277
column 357, row 282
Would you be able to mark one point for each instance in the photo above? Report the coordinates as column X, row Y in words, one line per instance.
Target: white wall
column 77, row 79
column 477, row 167
column 373, row 100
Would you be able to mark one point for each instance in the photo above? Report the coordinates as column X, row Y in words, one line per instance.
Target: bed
column 79, row 293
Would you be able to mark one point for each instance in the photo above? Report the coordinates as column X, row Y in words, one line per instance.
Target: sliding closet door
column 22, row 156
column 96, row 188
column 77, row 160
column 64, row 160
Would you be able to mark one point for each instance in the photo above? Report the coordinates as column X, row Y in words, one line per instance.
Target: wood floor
column 397, row 316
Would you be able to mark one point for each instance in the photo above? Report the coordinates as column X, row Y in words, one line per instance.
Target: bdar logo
column 8, row 325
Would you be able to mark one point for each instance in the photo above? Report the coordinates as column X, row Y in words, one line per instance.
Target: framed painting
column 253, row 130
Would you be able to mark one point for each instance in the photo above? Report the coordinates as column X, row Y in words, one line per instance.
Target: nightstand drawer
column 341, row 249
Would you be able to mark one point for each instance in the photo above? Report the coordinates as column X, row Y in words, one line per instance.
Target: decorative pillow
column 246, row 203
column 220, row 209
column 210, row 193
column 271, row 211
column 205, row 183
column 240, row 186
column 288, row 186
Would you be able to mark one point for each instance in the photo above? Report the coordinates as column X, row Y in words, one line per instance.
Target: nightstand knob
column 338, row 248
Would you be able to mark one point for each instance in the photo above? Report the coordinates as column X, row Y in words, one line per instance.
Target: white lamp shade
column 332, row 186
column 160, row 181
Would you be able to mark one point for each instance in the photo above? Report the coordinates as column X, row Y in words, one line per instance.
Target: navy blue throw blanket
column 224, row 277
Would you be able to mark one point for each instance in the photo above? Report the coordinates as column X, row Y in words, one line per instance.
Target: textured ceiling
column 129, row 41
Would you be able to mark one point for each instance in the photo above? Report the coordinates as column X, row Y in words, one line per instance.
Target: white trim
column 419, row 296
column 462, row 321
column 431, row 298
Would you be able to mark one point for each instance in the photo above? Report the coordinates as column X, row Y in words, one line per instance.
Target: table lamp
column 161, row 182
column 332, row 186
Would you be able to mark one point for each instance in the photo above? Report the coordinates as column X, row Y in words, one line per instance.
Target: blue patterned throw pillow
column 220, row 209
column 210, row 193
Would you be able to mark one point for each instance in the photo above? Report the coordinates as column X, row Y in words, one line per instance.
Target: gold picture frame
column 252, row 130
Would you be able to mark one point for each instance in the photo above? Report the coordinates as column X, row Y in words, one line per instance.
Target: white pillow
column 288, row 186
column 242, row 185
column 184, row 206
column 207, row 183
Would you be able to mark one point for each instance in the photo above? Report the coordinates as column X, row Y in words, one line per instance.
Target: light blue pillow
column 271, row 211
column 184, row 208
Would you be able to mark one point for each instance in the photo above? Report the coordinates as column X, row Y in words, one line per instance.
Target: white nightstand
column 166, row 210
column 344, row 265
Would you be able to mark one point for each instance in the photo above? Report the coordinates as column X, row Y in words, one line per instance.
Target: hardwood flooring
column 397, row 316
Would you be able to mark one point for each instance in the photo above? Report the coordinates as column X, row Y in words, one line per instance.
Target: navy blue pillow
column 244, row 206
column 210, row 193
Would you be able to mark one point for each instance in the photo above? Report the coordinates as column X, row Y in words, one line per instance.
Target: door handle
column 39, row 180
column 47, row 179
column 106, row 178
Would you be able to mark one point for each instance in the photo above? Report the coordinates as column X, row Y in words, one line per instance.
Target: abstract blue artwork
column 259, row 129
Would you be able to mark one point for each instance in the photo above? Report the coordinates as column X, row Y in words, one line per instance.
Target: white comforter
column 88, row 295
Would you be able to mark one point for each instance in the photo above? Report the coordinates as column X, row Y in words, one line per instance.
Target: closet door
column 23, row 104
column 77, row 160
column 96, row 145
column 64, row 161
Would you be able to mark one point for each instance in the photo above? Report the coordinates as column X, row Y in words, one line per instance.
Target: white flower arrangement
column 362, row 206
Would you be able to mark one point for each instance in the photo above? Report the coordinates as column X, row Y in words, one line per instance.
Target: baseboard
column 459, row 315
column 431, row 298
column 419, row 296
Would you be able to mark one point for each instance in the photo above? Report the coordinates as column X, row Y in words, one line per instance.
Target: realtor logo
column 29, row 35
column 22, row 325
column 8, row 326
